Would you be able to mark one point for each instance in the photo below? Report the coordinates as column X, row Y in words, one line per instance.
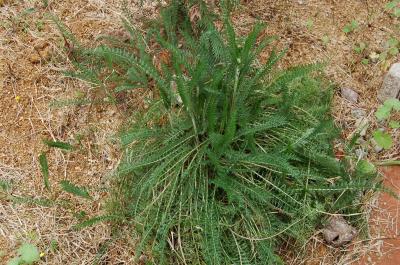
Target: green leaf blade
column 58, row 144
column 44, row 167
column 75, row 190
column 29, row 253
column 383, row 139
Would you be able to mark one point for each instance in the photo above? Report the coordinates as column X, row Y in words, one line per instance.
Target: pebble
column 358, row 113
column 391, row 84
column 376, row 147
column 349, row 94
column 362, row 126
column 360, row 153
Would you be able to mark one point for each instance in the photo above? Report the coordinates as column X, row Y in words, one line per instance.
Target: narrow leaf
column 44, row 166
column 383, row 139
column 58, row 144
column 73, row 189
column 93, row 221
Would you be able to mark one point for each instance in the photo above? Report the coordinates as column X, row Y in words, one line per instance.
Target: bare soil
column 31, row 80
column 385, row 224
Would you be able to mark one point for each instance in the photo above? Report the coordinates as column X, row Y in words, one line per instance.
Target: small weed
column 27, row 254
column 365, row 61
column 352, row 26
column 45, row 3
column 394, row 8
column 54, row 246
column 325, row 40
column 5, row 185
column 39, row 25
column 310, row 24
column 360, row 47
column 382, row 138
column 44, row 165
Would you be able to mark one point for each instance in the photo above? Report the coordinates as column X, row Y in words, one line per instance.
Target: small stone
column 349, row 94
column 40, row 45
column 374, row 57
column 338, row 232
column 377, row 148
column 360, row 153
column 358, row 113
column 362, row 126
column 391, row 84
column 34, row 58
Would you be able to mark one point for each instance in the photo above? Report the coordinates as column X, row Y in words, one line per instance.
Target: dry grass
column 30, row 78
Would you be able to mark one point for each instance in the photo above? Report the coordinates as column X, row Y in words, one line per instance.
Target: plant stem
column 388, row 163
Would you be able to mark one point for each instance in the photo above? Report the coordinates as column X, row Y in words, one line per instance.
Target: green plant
column 383, row 113
column 365, row 61
column 75, row 190
column 233, row 158
column 310, row 24
column 27, row 254
column 352, row 26
column 393, row 7
column 391, row 50
column 360, row 47
column 325, row 40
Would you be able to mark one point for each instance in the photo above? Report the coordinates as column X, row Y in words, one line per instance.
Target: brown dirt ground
column 30, row 79
column 385, row 225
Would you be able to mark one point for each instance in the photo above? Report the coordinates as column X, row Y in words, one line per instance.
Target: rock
column 349, row 94
column 338, row 232
column 40, row 56
column 362, row 126
column 358, row 113
column 376, row 146
column 391, row 84
column 360, row 153
column 34, row 58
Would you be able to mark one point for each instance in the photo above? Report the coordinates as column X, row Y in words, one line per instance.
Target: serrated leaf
column 394, row 51
column 93, row 221
column 58, row 144
column 392, row 42
column 365, row 167
column 383, row 112
column 15, row 261
column 347, row 29
column 393, row 103
column 391, row 5
column 73, row 189
column 44, row 167
column 5, row 185
column 396, row 12
column 383, row 139
column 29, row 253
column 351, row 26
column 394, row 124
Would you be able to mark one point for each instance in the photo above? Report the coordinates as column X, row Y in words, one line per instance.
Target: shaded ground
column 31, row 63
